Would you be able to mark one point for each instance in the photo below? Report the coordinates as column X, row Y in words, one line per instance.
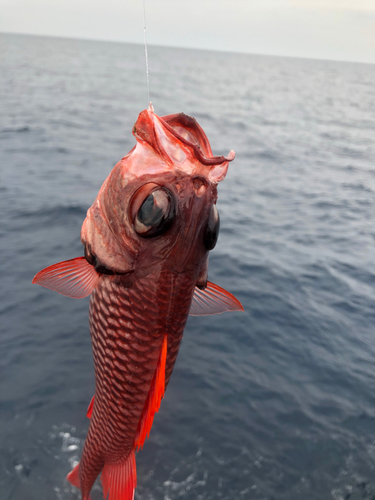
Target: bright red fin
column 120, row 480
column 90, row 408
column 213, row 300
column 74, row 278
column 73, row 477
column 154, row 398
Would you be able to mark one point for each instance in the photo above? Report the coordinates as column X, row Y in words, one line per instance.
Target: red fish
column 146, row 240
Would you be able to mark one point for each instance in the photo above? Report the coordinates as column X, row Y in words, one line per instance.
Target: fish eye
column 156, row 214
column 212, row 229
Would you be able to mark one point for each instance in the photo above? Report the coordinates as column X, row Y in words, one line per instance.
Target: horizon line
column 89, row 39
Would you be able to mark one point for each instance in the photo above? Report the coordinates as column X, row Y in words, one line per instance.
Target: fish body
column 146, row 240
column 126, row 355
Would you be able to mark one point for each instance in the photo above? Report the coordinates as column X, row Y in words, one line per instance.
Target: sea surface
column 276, row 403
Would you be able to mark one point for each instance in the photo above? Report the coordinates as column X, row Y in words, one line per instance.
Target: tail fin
column 120, row 480
column 73, row 477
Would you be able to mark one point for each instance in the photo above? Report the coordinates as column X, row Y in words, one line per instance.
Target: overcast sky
column 324, row 29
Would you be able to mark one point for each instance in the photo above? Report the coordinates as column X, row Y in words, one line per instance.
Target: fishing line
column 150, row 107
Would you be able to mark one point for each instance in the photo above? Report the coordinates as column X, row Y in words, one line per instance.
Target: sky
column 321, row 29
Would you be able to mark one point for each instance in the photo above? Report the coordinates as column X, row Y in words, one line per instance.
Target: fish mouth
column 164, row 134
column 192, row 130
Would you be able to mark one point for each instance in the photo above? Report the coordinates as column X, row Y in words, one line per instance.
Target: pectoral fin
column 74, row 278
column 213, row 300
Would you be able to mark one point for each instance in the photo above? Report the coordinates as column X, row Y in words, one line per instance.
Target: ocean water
column 272, row 404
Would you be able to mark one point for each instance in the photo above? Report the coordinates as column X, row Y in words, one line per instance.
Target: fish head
column 158, row 205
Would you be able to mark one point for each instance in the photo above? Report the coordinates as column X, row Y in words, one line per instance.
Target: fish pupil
column 156, row 214
column 150, row 214
column 212, row 230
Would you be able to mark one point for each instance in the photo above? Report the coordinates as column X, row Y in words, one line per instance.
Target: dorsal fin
column 154, row 398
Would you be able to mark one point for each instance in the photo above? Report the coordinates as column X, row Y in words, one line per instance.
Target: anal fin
column 90, row 408
column 120, row 480
column 73, row 477
column 154, row 398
